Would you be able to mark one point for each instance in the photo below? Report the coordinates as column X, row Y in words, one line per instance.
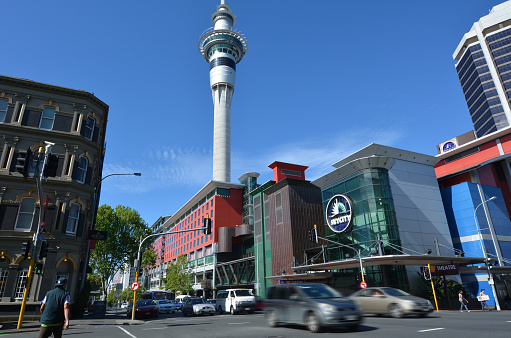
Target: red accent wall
column 223, row 211
column 279, row 176
column 486, row 152
column 449, row 182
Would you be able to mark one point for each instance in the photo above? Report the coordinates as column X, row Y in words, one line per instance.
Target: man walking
column 482, row 299
column 55, row 311
column 463, row 301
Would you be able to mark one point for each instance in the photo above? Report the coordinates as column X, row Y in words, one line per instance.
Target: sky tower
column 223, row 48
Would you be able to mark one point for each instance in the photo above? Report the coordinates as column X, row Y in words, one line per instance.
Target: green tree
column 125, row 227
column 179, row 276
column 148, row 259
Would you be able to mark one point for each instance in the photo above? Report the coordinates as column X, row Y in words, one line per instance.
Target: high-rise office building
column 223, row 48
column 483, row 63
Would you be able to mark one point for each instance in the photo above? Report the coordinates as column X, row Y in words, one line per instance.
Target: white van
column 180, row 301
column 235, row 301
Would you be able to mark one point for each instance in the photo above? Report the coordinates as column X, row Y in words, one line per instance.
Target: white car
column 197, row 306
column 235, row 301
column 165, row 306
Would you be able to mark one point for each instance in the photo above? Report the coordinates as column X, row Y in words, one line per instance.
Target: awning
column 390, row 260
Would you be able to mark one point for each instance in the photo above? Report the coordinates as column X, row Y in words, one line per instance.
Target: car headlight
column 430, row 305
column 328, row 307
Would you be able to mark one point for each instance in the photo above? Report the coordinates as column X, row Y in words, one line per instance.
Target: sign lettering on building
column 339, row 213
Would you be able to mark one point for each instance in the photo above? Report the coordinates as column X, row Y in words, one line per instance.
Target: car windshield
column 197, row 301
column 163, row 302
column 144, row 302
column 319, row 291
column 243, row 293
column 395, row 292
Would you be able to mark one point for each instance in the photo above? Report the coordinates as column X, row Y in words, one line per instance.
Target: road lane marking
column 239, row 323
column 126, row 331
column 438, row 328
column 155, row 328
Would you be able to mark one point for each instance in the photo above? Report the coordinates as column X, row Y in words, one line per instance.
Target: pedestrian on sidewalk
column 482, row 298
column 55, row 311
column 463, row 301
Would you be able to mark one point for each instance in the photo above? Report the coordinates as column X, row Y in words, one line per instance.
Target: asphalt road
column 443, row 324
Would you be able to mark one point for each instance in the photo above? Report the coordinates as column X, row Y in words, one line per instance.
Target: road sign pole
column 25, row 292
column 135, row 294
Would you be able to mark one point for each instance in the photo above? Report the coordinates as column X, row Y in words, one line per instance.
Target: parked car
column 165, row 306
column 211, row 301
column 314, row 305
column 391, row 301
column 197, row 306
column 178, row 306
column 235, row 301
column 143, row 308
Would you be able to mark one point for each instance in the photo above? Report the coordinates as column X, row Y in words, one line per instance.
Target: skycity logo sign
column 339, row 213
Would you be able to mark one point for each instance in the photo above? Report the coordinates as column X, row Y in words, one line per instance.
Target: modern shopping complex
column 383, row 210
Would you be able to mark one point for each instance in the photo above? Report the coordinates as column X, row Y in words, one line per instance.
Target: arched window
column 73, row 218
column 81, row 171
column 89, row 128
column 47, row 118
column 25, row 214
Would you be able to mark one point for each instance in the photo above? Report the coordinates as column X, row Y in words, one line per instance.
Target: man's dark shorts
column 45, row 332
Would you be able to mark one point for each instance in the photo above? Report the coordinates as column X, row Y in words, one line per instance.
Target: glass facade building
column 483, row 64
column 374, row 216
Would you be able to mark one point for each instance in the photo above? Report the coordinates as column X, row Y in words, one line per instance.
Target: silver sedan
column 391, row 301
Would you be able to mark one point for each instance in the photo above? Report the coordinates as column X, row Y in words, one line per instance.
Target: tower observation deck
column 222, row 48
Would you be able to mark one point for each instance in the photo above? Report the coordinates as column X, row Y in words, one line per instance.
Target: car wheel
column 232, row 310
column 220, row 310
column 396, row 311
column 312, row 322
column 212, row 314
column 422, row 315
column 271, row 318
column 250, row 311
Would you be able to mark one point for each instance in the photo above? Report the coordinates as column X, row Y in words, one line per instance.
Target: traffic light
column 50, row 170
column 44, row 250
column 426, row 273
column 313, row 236
column 23, row 162
column 26, row 249
column 207, row 226
column 38, row 268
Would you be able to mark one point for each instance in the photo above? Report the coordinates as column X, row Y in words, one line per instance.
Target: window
column 278, row 208
column 3, row 280
column 89, row 128
column 81, row 171
column 3, row 109
column 7, row 157
column 47, row 118
column 20, row 284
column 72, row 220
column 25, row 214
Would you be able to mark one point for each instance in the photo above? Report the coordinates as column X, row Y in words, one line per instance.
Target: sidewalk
column 10, row 324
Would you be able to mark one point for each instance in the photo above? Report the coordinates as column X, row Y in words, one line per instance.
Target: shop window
column 25, row 214
column 81, row 171
column 3, row 109
column 47, row 118
column 73, row 218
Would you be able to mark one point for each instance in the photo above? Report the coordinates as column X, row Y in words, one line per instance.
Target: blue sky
column 321, row 80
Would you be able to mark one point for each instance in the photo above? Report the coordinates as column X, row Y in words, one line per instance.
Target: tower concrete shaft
column 223, row 48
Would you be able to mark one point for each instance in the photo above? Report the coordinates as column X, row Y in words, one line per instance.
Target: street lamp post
column 97, row 193
column 485, row 253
